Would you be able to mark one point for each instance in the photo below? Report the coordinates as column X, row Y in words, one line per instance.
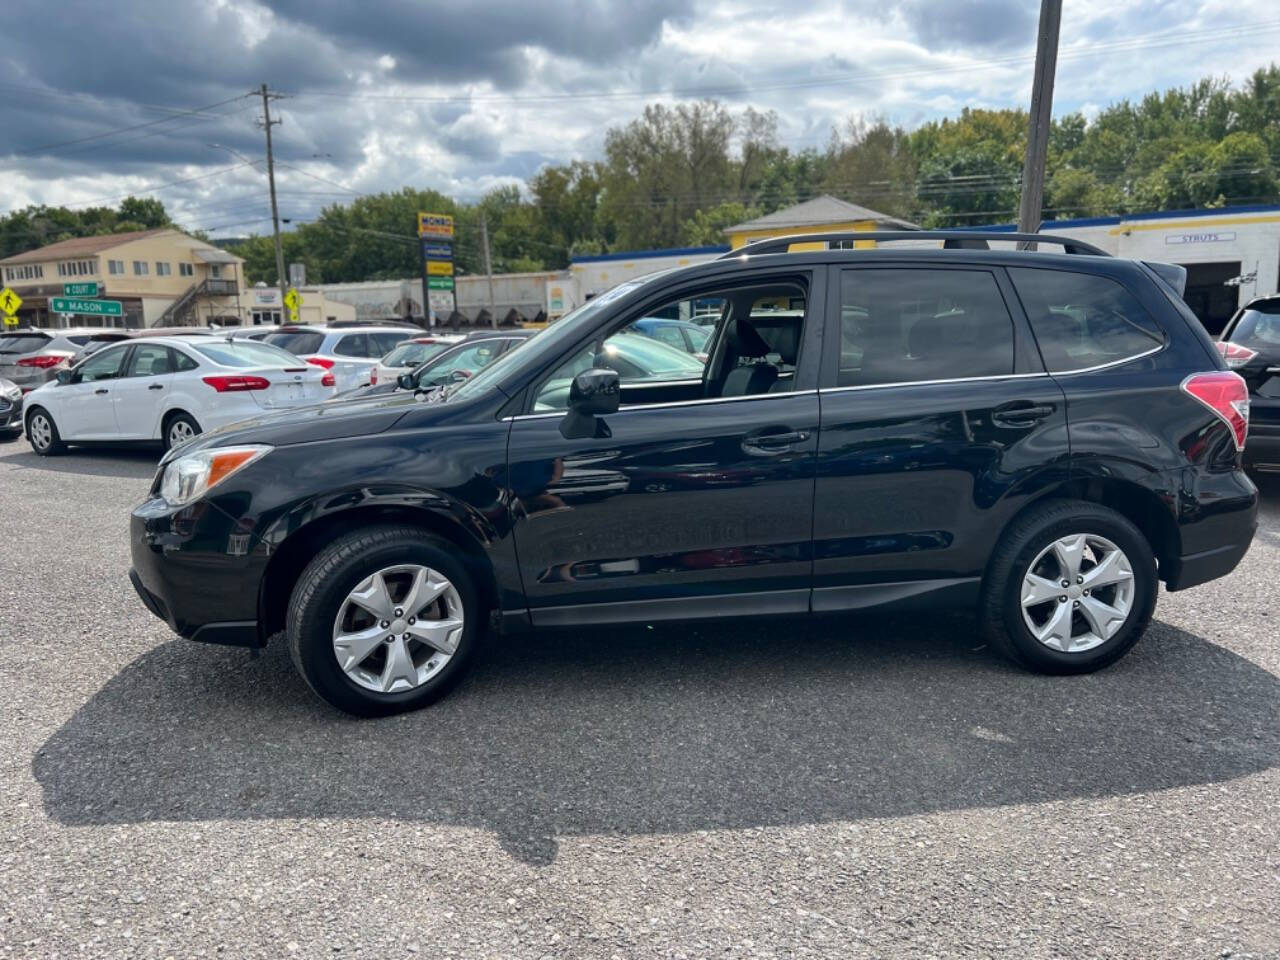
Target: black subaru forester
column 1043, row 436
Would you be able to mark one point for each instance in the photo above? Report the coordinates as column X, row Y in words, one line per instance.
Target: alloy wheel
column 398, row 628
column 1077, row 593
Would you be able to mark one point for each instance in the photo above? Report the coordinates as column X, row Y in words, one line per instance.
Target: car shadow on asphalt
column 129, row 462
column 663, row 730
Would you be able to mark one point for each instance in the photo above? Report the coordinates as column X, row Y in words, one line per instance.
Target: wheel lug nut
column 1062, row 599
column 385, row 624
column 391, row 639
column 405, row 637
column 1075, row 603
column 413, row 620
column 1066, row 583
column 399, row 612
column 1086, row 593
column 1079, row 579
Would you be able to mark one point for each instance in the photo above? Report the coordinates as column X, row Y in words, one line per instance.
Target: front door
column 85, row 409
column 938, row 423
column 693, row 499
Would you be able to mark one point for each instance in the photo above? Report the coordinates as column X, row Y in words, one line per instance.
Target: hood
column 326, row 421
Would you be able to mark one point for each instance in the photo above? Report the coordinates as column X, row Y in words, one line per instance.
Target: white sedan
column 168, row 389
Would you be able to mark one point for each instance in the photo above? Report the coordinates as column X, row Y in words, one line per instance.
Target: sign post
column 435, row 249
column 9, row 304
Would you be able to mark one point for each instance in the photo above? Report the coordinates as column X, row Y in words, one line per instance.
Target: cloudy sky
column 102, row 100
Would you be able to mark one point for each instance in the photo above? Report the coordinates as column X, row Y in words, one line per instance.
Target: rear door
column 140, row 393
column 938, row 422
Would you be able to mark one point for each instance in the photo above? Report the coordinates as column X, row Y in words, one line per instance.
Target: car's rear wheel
column 43, row 433
column 178, row 429
column 1070, row 589
column 383, row 620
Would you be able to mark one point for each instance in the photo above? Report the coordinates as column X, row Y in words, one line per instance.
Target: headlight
column 190, row 477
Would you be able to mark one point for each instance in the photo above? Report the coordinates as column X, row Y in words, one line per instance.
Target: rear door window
column 353, row 345
column 916, row 324
column 150, row 359
column 297, row 342
column 384, row 343
column 23, row 343
column 1082, row 320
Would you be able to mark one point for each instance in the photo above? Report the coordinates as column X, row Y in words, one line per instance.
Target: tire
column 40, row 426
column 179, row 428
column 1010, row 576
column 322, row 595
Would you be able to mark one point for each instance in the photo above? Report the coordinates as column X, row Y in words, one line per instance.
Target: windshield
column 22, row 343
column 241, row 353
column 297, row 343
column 548, row 343
column 1259, row 326
column 412, row 354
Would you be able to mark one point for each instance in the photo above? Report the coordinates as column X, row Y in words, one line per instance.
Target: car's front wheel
column 383, row 620
column 43, row 433
column 1070, row 589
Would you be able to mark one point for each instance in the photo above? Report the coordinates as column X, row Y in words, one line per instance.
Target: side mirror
column 592, row 394
column 406, row 381
column 64, row 377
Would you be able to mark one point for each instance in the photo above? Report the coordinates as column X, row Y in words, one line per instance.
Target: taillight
column 44, row 363
column 1235, row 355
column 373, row 378
column 320, row 362
column 235, row 384
column 1226, row 395
column 328, row 380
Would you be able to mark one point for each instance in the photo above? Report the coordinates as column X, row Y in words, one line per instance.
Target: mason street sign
column 80, row 289
column 96, row 308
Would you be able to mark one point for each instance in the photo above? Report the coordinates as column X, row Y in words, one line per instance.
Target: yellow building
column 824, row 214
column 162, row 278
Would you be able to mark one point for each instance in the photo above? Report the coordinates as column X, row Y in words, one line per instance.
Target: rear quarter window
column 1081, row 320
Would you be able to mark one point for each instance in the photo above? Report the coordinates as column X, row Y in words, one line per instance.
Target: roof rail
column 953, row 239
column 348, row 324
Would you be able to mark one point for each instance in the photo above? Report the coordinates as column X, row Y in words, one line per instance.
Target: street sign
column 439, row 268
column 89, row 289
column 9, row 302
column 438, row 225
column 437, row 251
column 439, row 283
column 95, row 308
column 292, row 299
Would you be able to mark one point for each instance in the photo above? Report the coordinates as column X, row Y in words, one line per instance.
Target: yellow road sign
column 9, row 301
column 10, row 321
column 439, row 268
column 292, row 300
column 293, row 314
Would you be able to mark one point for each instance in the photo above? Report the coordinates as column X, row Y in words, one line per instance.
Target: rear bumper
column 1219, row 516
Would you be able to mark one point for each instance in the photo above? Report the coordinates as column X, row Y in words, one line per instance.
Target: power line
column 119, row 130
column 1148, row 41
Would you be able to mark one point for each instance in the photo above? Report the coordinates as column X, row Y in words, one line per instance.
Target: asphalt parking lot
column 884, row 787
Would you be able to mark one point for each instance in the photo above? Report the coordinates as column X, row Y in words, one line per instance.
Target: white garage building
column 1236, row 244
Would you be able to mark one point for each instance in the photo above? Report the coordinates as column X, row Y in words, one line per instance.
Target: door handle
column 156, row 386
column 1021, row 413
column 766, row 443
column 101, row 390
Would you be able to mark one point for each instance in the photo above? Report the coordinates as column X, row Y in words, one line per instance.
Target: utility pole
column 488, row 269
column 267, row 122
column 1031, row 207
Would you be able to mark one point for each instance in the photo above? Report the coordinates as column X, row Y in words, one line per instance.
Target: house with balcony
column 162, row 278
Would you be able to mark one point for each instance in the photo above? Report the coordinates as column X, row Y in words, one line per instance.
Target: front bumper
column 194, row 570
column 10, row 414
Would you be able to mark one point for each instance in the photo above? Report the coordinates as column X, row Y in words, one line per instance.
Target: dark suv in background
column 1042, row 436
column 1250, row 345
